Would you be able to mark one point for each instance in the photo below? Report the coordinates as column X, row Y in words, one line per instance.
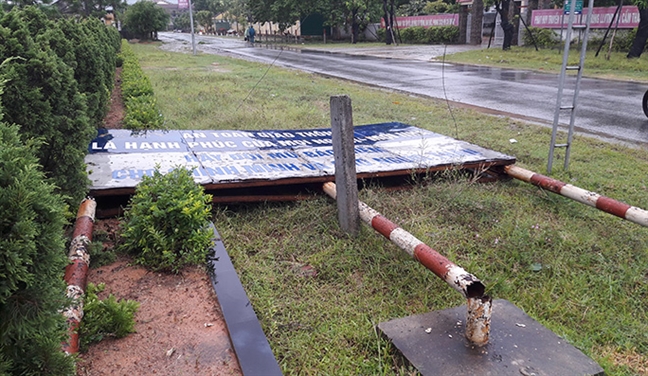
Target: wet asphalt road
column 607, row 109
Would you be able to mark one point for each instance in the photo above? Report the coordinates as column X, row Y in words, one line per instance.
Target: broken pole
column 479, row 305
column 76, row 272
column 593, row 199
column 345, row 166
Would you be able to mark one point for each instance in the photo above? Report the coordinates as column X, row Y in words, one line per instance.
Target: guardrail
column 479, row 305
column 593, row 199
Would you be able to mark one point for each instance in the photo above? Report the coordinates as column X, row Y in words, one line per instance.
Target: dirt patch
column 115, row 115
column 180, row 328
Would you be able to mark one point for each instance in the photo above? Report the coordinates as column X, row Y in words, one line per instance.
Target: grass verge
column 319, row 294
column 550, row 60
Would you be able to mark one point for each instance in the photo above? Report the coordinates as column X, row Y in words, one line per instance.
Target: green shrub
column 166, row 225
column 32, row 261
column 380, row 33
column 89, row 64
column 134, row 81
column 622, row 41
column 431, row 35
column 105, row 318
column 83, row 46
column 43, row 97
column 99, row 253
column 442, row 35
column 414, row 34
column 545, row 38
column 449, row 34
column 142, row 112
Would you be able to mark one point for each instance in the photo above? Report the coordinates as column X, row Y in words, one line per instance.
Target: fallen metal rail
column 479, row 304
column 606, row 204
column 76, row 273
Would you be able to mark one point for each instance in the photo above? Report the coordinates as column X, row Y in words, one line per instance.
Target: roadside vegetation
column 319, row 294
column 548, row 58
column 166, row 224
column 141, row 108
column 618, row 66
column 55, row 80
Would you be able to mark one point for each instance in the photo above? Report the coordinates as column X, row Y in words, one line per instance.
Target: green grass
column 550, row 60
column 592, row 284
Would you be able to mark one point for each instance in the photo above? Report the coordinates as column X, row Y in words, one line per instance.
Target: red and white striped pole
column 606, row 204
column 479, row 305
column 76, row 273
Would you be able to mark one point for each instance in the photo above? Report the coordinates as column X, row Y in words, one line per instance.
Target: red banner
column 426, row 21
column 183, row 4
column 601, row 18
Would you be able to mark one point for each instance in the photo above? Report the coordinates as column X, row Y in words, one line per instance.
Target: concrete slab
column 434, row 343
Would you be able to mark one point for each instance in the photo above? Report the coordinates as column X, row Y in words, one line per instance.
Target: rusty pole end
column 478, row 320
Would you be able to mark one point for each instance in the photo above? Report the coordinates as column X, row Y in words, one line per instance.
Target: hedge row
column 32, row 260
column 141, row 107
column 55, row 81
column 421, row 35
column 59, row 77
column 548, row 38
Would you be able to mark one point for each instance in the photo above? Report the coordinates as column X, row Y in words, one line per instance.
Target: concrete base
column 518, row 345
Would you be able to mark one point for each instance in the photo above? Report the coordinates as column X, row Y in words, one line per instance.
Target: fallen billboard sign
column 118, row 159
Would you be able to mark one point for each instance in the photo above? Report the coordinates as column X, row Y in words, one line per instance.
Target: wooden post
column 345, row 168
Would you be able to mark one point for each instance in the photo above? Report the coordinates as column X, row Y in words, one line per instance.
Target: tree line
column 358, row 14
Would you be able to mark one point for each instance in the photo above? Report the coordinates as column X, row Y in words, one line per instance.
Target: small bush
column 442, row 35
column 414, row 34
column 167, row 222
column 142, row 112
column 101, row 254
column 105, row 318
column 380, row 33
column 431, row 35
column 622, row 41
column 545, row 38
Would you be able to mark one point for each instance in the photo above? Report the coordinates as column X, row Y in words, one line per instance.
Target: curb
column 250, row 344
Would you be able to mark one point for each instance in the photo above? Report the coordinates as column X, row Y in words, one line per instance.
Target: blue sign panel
column 119, row 158
column 578, row 7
